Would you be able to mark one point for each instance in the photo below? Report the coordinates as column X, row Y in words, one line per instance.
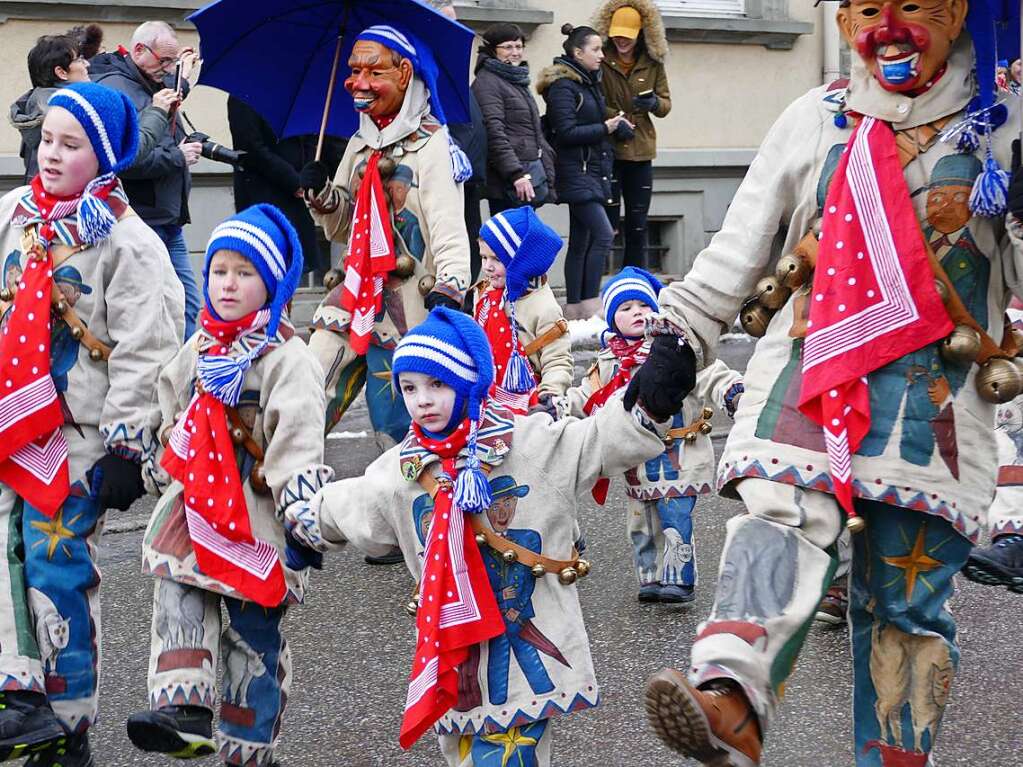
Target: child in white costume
column 661, row 492
column 485, row 499
column 242, row 410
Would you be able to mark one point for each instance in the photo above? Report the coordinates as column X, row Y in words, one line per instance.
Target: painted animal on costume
column 677, row 553
column 1010, row 422
column 53, row 631
column 242, row 664
column 181, row 616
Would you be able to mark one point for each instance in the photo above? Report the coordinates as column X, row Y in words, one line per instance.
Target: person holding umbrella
column 390, row 280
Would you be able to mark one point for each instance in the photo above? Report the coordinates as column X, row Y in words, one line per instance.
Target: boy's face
column 66, row 160
column 234, row 286
column 630, row 318
column 493, row 269
column 428, row 400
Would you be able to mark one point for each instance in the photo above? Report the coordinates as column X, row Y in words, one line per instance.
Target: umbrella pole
column 330, row 96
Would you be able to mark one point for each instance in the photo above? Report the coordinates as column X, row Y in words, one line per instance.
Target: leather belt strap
column 235, row 420
column 553, row 333
column 498, row 542
column 692, row 430
column 70, row 316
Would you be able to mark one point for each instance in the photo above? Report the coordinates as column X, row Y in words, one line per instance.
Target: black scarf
column 516, row 75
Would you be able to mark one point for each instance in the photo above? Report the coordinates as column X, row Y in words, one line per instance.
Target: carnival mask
column 904, row 43
column 377, row 83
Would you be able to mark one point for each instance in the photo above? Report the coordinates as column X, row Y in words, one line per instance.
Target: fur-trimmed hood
column 559, row 70
column 654, row 37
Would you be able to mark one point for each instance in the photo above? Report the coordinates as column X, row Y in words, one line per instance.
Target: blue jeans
column 175, row 241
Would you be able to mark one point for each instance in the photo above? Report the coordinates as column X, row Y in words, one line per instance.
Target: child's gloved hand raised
column 298, row 556
column 665, row 379
column 115, row 482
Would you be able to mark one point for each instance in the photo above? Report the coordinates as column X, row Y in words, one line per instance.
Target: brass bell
column 95, row 354
column 332, row 279
column 509, row 556
column 999, row 380
column 582, row 567
column 772, row 293
column 706, row 428
column 792, row 271
column 6, row 295
column 237, row 435
column 481, row 539
column 386, row 166
column 538, row 570
column 961, row 346
column 404, row 266
column 77, row 333
column 755, row 318
column 1017, row 339
column 855, row 525
column 568, row 576
column 427, row 284
column 707, row 414
column 62, row 307
column 412, row 606
column 691, row 437
column 257, row 479
column 942, row 289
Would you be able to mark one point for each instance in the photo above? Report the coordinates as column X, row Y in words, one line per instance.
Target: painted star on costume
column 509, row 741
column 55, row 533
column 385, row 375
column 914, row 563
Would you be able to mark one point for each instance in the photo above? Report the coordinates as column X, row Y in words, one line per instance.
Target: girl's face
column 624, row 45
column 428, row 400
column 234, row 286
column 591, row 54
column 630, row 318
column 511, row 52
column 66, row 160
column 493, row 269
column 77, row 71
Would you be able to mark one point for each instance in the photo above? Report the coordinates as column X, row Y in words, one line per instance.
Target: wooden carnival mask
column 379, row 79
column 904, row 43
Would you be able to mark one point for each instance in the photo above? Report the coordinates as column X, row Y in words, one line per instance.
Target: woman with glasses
column 520, row 163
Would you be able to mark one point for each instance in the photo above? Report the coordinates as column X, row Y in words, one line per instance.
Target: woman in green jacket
column 635, row 85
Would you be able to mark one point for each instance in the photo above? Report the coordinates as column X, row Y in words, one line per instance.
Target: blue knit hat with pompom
column 630, row 284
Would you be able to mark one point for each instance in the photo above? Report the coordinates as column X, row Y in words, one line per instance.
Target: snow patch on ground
column 738, row 338
column 586, row 331
column 348, row 435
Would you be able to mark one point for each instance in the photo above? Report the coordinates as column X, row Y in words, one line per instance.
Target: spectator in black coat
column 519, row 159
column 269, row 173
column 584, row 161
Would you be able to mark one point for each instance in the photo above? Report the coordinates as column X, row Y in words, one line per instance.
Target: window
column 702, row 7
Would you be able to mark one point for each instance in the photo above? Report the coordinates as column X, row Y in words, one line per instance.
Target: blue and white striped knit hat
column 425, row 67
column 525, row 245
column 630, row 284
column 265, row 236
column 111, row 124
column 452, row 348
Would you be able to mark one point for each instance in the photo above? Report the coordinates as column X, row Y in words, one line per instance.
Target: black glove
column 663, row 381
column 623, row 132
column 1016, row 186
column 313, row 177
column 298, row 556
column 116, row 482
column 435, row 298
column 646, row 103
column 545, row 403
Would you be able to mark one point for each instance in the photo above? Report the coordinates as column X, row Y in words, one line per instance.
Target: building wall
column 725, row 95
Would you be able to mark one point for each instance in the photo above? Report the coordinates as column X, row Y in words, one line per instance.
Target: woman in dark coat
column 519, row 159
column 269, row 173
column 584, row 161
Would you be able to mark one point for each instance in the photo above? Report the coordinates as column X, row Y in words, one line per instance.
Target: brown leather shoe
column 716, row 726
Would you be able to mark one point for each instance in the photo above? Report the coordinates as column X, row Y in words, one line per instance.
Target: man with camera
column 158, row 184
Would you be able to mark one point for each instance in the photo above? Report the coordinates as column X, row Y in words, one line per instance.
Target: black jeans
column 473, row 197
column 497, row 206
column 589, row 242
column 636, row 180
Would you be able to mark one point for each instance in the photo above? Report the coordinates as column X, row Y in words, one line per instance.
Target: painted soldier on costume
column 870, row 395
column 396, row 208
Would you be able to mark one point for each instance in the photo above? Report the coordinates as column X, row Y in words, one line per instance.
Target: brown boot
column 715, row 726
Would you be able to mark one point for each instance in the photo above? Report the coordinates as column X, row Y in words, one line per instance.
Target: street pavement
column 351, row 645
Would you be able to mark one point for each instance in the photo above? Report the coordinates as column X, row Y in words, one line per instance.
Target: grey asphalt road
column 352, row 642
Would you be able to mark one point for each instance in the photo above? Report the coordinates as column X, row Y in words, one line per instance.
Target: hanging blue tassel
column 95, row 219
column 518, row 377
column 841, row 121
column 990, row 196
column 968, row 141
column 222, row 375
column 461, row 168
column 472, row 491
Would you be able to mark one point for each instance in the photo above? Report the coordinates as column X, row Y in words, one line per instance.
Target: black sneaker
column 392, row 557
column 74, row 752
column 183, row 732
column 1000, row 564
column 27, row 724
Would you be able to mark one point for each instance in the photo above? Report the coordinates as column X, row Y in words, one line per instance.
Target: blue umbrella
column 281, row 57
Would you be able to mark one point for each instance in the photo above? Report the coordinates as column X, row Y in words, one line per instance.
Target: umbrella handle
column 330, row 96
